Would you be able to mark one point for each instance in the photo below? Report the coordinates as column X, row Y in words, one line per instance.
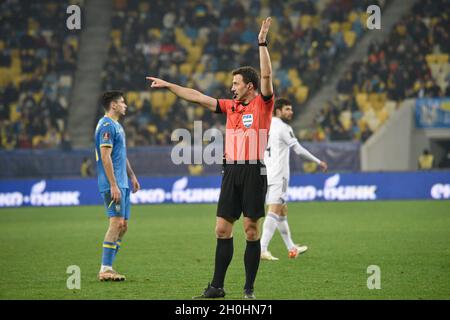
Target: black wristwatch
column 263, row 44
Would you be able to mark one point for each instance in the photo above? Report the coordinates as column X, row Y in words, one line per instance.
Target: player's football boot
column 110, row 275
column 266, row 255
column 249, row 294
column 211, row 293
column 296, row 251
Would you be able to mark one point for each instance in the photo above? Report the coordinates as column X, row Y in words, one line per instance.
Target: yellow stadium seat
column 195, row 170
column 152, row 129
column 156, row 99
column 38, row 96
column 352, row 16
column 431, row 58
column 366, row 106
column 15, row 54
column 5, row 77
column 363, row 16
column 306, row 21
column 382, row 115
column 36, row 140
column 345, row 117
column 74, row 43
column 195, row 53
column 167, row 102
column 350, row 38
column 277, row 83
column 116, row 34
column 138, row 103
column 171, row 98
column 243, row 48
column 199, row 112
column 221, row 77
column 186, row 69
column 362, row 124
column 14, row 114
column 334, row 27
column 200, row 68
column 361, row 98
column 182, row 39
column 16, row 79
column 301, row 94
column 33, row 25
column 294, row 77
column 373, row 97
column 317, row 21
column 276, row 56
column 132, row 97
column 346, row 26
column 442, row 58
column 155, row 32
column 377, row 105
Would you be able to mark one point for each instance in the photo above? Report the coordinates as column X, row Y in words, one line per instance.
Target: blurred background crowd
column 196, row 44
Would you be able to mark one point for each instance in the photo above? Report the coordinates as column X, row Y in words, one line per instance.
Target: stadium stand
column 197, row 43
column 413, row 62
column 38, row 57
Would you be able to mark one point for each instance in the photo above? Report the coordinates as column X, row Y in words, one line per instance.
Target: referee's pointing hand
column 157, row 83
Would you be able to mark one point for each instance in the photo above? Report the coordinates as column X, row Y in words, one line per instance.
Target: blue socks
column 109, row 251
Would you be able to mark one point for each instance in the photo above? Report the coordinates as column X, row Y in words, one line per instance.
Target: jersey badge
column 247, row 120
column 106, row 136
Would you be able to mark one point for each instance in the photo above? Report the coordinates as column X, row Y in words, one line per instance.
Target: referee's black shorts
column 243, row 190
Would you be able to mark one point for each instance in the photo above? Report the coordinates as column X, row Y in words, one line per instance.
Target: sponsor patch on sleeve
column 106, row 136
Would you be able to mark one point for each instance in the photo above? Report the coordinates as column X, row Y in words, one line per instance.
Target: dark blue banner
column 206, row 189
column 433, row 113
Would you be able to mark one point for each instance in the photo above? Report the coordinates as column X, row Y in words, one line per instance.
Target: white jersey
column 276, row 156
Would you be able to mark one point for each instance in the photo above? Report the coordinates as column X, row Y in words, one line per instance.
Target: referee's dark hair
column 249, row 74
column 280, row 103
column 109, row 96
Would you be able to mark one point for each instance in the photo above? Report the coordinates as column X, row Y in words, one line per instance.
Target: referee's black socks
column 224, row 254
column 251, row 261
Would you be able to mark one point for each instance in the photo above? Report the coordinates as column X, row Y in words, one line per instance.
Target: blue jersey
column 110, row 133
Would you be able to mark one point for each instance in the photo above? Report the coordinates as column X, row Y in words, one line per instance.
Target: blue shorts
column 117, row 210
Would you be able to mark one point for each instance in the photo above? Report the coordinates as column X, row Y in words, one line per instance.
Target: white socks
column 285, row 232
column 105, row 268
column 271, row 223
column 269, row 227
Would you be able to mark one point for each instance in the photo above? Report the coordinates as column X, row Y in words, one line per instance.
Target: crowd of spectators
column 197, row 44
column 38, row 56
column 413, row 62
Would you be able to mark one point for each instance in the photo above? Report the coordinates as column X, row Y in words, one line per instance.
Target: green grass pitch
column 168, row 252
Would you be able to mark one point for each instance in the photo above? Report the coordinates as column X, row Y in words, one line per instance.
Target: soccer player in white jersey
column 276, row 158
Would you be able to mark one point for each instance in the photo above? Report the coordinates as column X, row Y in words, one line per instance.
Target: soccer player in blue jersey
column 113, row 170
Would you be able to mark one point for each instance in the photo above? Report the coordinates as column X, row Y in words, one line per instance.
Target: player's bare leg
column 123, row 230
column 107, row 273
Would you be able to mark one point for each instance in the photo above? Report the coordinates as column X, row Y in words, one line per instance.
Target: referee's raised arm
column 264, row 60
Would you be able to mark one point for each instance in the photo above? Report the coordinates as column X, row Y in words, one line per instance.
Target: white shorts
column 277, row 193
